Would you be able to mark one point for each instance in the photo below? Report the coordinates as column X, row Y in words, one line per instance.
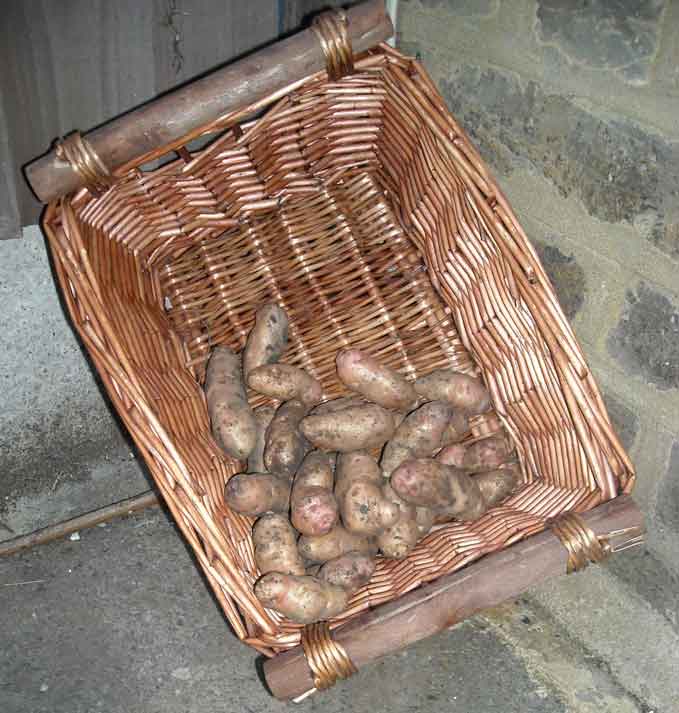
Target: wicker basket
column 361, row 206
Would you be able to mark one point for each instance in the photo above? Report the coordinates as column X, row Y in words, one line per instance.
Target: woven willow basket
column 361, row 206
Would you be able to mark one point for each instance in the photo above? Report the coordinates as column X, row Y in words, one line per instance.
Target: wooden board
column 74, row 64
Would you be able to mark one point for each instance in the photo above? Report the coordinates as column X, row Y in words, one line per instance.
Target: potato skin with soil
column 459, row 390
column 313, row 507
column 285, row 382
column 285, row 445
column 337, row 542
column 487, row 454
column 398, row 540
column 275, row 543
column 420, row 435
column 383, row 386
column 352, row 429
column 301, row 599
column 350, row 571
column 263, row 416
column 253, row 494
column 363, row 507
column 268, row 339
column 232, row 421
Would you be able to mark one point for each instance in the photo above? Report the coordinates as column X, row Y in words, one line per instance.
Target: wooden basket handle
column 180, row 113
column 568, row 545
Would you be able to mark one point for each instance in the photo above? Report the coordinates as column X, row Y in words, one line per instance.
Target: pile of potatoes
column 325, row 505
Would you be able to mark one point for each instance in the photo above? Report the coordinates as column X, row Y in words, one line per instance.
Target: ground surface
column 121, row 621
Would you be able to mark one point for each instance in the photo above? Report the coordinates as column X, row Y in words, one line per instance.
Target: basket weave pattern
column 362, row 207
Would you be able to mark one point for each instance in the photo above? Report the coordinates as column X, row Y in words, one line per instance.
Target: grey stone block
column 619, row 171
column 122, row 621
column 624, row 420
column 668, row 496
column 650, row 578
column 646, row 339
column 566, row 275
column 620, row 35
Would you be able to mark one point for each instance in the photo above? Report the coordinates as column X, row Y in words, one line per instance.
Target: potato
column 363, row 508
column 422, row 482
column 334, row 405
column 267, row 339
column 313, row 508
column 303, row 600
column 285, row 445
column 457, row 428
column 398, row 540
column 275, row 544
column 285, row 382
column 381, row 385
column 351, row 429
column 256, row 493
column 419, row 436
column 233, row 423
column 488, row 454
column 425, row 519
column 467, row 503
column 350, row 571
column 313, row 569
column 460, row 390
column 498, row 485
column 263, row 417
column 337, row 542
column 452, row 455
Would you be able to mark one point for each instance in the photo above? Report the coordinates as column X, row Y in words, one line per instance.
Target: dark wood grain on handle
column 451, row 599
column 180, row 112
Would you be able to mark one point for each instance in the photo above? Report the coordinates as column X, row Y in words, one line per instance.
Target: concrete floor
column 121, row 621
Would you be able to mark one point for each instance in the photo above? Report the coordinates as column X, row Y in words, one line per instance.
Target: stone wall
column 575, row 106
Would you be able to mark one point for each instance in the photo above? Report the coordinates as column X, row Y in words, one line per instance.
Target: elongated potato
column 275, row 544
column 381, row 385
column 453, row 455
column 350, row 571
column 303, row 600
column 488, row 454
column 263, row 417
column 363, row 507
column 285, row 445
column 352, row 429
column 285, row 382
column 313, row 508
column 334, row 405
column 460, row 390
column 256, row 493
column 398, row 540
column 233, row 423
column 422, row 482
column 337, row 542
column 498, row 485
column 419, row 436
column 268, row 338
